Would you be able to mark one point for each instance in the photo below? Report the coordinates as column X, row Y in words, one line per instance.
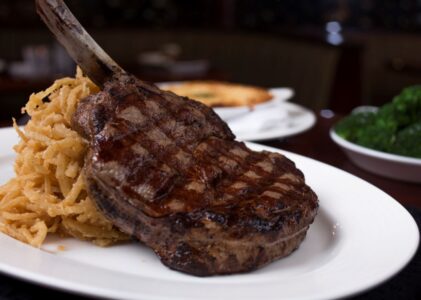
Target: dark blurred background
column 336, row 54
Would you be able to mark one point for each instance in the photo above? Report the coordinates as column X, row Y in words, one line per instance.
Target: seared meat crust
column 168, row 171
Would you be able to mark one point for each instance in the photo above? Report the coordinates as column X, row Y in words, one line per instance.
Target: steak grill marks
column 148, row 144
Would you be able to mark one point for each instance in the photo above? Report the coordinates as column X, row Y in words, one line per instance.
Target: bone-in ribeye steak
column 168, row 171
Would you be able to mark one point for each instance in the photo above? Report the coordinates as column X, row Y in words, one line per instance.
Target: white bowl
column 381, row 163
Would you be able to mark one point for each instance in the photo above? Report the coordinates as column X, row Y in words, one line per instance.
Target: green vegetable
column 350, row 127
column 408, row 141
column 394, row 128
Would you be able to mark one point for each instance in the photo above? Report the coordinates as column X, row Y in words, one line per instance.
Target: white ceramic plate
column 381, row 163
column 291, row 120
column 360, row 238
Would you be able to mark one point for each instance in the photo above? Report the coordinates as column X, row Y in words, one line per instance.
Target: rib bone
column 93, row 60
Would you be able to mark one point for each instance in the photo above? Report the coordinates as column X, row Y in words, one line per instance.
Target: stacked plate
column 276, row 118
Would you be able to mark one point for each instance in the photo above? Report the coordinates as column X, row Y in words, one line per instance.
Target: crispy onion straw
column 48, row 193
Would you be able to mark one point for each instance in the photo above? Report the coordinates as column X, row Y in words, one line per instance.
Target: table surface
column 314, row 143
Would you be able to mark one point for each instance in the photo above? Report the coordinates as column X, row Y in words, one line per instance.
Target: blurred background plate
column 279, row 95
column 280, row 121
column 268, row 120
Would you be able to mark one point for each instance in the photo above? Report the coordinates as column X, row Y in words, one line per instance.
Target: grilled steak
column 168, row 171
